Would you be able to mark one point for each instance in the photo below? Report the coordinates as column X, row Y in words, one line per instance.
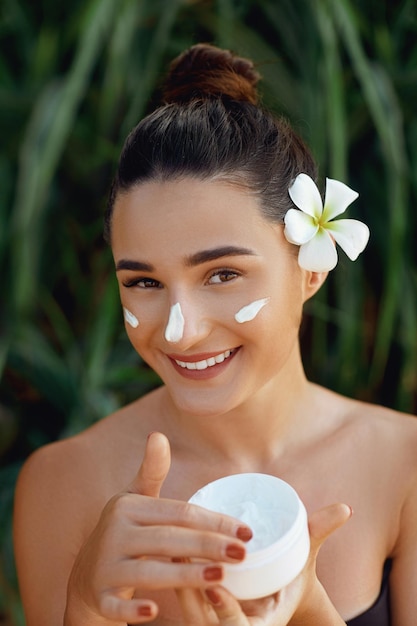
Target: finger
column 135, row 611
column 153, row 574
column 194, row 609
column 154, row 468
column 177, row 541
column 326, row 521
column 226, row 607
column 151, row 511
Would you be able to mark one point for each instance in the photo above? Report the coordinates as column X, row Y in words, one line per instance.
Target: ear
column 312, row 281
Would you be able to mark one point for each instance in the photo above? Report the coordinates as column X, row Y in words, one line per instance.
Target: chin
column 203, row 404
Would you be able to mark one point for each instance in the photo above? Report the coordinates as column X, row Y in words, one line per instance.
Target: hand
column 301, row 602
column 143, row 542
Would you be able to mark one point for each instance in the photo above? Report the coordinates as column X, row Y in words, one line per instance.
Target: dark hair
column 212, row 127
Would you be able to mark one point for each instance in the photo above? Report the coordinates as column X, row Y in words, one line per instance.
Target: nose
column 185, row 326
column 174, row 330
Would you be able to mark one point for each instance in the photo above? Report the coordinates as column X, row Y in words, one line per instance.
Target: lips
column 202, row 365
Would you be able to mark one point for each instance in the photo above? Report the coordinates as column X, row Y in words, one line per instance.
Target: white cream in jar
column 280, row 545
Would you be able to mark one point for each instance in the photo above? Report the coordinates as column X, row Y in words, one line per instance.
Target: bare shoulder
column 60, row 494
column 64, row 483
column 385, row 440
column 81, row 465
column 52, row 473
column 52, row 513
column 392, row 438
column 58, row 488
column 384, row 425
column 380, row 440
column 365, row 419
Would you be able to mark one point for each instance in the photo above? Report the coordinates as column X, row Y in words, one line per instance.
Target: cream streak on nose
column 250, row 311
column 175, row 328
column 131, row 319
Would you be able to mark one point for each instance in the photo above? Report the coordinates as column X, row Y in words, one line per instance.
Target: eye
column 222, row 276
column 143, row 283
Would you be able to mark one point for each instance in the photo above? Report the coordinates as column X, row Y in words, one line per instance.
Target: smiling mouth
column 205, row 363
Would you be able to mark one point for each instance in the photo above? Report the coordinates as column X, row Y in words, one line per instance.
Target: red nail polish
column 180, row 559
column 212, row 596
column 244, row 533
column 213, row 573
column 144, row 610
column 233, row 551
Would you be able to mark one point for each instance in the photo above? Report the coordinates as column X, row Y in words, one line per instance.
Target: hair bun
column 205, row 71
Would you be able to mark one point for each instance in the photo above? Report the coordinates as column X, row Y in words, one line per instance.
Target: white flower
column 311, row 228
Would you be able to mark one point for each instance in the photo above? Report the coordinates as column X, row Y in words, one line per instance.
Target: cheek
column 227, row 308
column 239, row 311
column 248, row 312
column 140, row 319
column 140, row 309
column 243, row 311
column 130, row 318
column 280, row 315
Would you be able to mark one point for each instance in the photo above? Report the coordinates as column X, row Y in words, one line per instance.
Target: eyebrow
column 190, row 261
column 126, row 264
column 216, row 253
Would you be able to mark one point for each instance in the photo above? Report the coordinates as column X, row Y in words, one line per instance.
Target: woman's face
column 190, row 255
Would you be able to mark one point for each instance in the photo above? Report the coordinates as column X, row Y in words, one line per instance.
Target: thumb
column 324, row 522
column 154, row 468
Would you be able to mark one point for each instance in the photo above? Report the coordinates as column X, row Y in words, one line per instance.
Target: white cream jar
column 280, row 545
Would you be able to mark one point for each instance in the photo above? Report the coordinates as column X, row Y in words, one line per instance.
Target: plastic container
column 280, row 545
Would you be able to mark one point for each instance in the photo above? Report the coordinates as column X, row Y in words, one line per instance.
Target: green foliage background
column 74, row 78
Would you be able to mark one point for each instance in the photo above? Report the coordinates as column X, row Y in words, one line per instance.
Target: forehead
column 187, row 215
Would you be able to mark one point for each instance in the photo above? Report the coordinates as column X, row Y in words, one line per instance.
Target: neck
column 253, row 432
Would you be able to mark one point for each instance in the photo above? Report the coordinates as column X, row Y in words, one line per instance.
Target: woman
column 215, row 260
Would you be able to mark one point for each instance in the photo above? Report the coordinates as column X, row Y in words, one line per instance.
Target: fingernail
column 213, row 573
column 233, row 551
column 244, row 533
column 144, row 610
column 212, row 596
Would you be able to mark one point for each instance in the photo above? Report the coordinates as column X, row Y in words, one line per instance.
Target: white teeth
column 202, row 365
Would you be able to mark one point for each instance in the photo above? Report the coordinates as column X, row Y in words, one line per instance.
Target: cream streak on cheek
column 175, row 327
column 131, row 319
column 250, row 311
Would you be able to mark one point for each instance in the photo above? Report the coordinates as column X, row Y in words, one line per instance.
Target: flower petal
column 304, row 193
column 299, row 227
column 338, row 197
column 319, row 254
column 351, row 235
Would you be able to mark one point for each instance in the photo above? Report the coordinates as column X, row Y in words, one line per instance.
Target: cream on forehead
column 250, row 311
column 131, row 319
column 175, row 327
